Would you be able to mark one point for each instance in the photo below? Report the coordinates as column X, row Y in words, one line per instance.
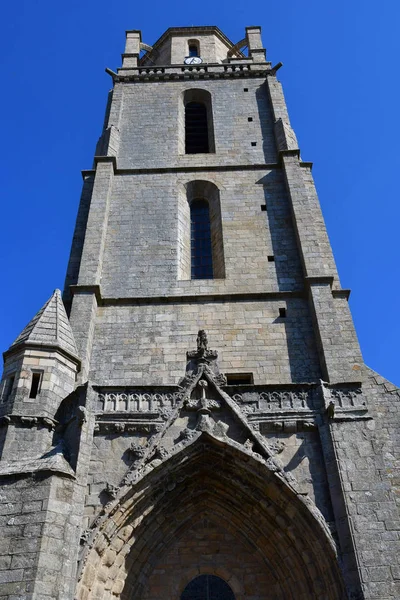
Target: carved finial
column 200, row 360
column 202, row 342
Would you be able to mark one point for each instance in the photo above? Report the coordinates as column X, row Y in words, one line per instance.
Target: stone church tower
column 194, row 420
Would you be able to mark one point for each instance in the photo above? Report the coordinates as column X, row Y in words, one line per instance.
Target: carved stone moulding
column 137, row 400
column 28, row 421
column 271, row 398
column 347, row 397
column 195, row 404
column 287, row 425
column 121, row 427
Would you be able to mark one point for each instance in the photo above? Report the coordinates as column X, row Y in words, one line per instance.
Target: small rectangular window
column 254, row 143
column 239, row 378
column 7, row 388
column 271, row 258
column 249, row 119
column 263, row 207
column 282, row 312
column 245, row 89
column 35, row 384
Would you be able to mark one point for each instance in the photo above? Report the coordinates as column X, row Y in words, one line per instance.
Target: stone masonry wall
column 141, row 250
column 208, row 547
column 149, row 132
column 146, row 345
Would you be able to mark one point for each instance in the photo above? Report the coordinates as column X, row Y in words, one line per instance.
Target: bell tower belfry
column 196, row 413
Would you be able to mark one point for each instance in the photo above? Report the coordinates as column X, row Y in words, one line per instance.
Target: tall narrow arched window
column 195, row 124
column 207, row 587
column 196, row 128
column 200, row 241
column 200, row 245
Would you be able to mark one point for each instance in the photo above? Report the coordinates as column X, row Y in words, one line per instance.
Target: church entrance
column 207, row 587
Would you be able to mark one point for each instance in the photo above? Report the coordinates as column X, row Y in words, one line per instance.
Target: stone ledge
column 44, row 347
column 184, row 72
column 185, row 169
column 55, row 463
column 183, row 299
column 28, row 421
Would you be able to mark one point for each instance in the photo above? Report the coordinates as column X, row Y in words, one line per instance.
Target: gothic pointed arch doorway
column 213, row 509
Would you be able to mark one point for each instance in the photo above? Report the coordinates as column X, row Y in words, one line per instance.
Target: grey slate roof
column 50, row 326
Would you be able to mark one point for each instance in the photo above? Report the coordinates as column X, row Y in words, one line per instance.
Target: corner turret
column 40, row 370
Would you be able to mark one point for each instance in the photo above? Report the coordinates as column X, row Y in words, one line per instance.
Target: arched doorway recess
column 215, row 480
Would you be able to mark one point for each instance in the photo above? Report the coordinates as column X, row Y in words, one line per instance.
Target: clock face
column 193, row 60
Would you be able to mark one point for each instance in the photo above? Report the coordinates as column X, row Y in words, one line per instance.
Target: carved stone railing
column 273, row 399
column 290, row 406
column 196, row 71
column 137, row 401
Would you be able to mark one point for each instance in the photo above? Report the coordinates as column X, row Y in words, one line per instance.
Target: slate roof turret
column 49, row 327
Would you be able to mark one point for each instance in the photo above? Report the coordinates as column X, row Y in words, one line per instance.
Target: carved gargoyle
column 136, row 451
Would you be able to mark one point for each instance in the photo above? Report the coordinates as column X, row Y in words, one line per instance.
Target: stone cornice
column 194, row 298
column 28, row 421
column 180, row 169
column 186, row 72
column 183, row 299
column 42, row 347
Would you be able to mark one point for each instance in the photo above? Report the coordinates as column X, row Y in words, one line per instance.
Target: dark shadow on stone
column 302, row 351
column 310, row 448
column 266, row 123
column 279, row 220
column 69, row 428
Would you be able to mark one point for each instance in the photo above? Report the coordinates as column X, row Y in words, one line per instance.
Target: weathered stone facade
column 156, row 427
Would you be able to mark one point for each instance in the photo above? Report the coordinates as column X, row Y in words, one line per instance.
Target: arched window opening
column 195, row 122
column 200, row 244
column 200, row 241
column 194, row 48
column 207, row 587
column 196, row 128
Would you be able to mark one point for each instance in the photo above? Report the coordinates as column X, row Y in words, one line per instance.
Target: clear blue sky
column 341, row 81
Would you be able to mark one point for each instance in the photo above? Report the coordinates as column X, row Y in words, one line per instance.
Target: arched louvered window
column 194, row 49
column 195, row 122
column 200, row 240
column 207, row 587
column 196, row 128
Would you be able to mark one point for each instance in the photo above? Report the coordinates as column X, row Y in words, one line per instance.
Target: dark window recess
column 239, row 378
column 193, row 50
column 282, row 312
column 200, row 240
column 249, row 119
column 263, row 207
column 271, row 258
column 196, row 128
column 245, row 89
column 35, row 385
column 8, row 386
column 254, row 143
column 207, row 587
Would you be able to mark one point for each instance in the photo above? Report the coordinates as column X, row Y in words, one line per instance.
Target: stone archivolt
column 219, row 469
column 216, row 479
